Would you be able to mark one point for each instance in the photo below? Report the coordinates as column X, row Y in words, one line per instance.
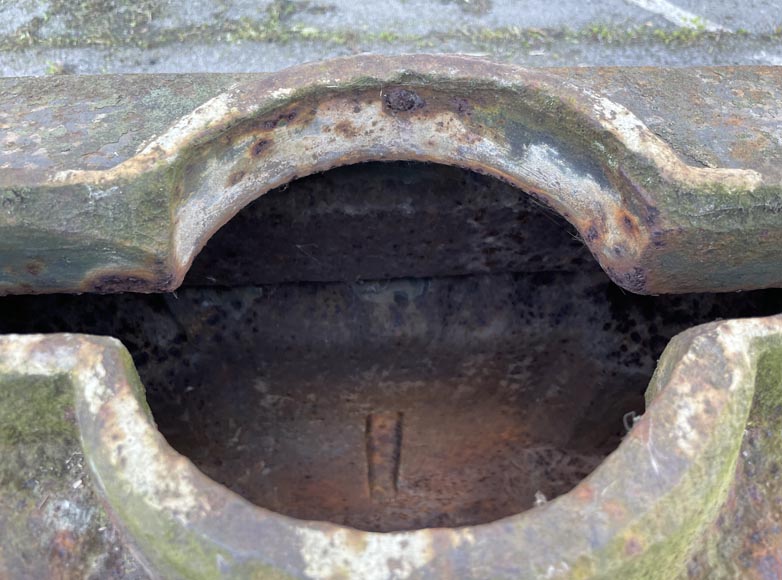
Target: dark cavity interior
column 392, row 346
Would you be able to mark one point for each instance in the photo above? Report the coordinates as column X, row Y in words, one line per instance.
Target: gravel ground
column 39, row 37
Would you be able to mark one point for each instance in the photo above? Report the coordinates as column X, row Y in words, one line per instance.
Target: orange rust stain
column 628, row 223
column 64, row 542
column 346, row 129
column 584, row 493
column 614, row 510
column 63, row 554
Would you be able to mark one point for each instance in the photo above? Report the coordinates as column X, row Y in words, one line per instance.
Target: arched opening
column 392, row 346
column 414, row 351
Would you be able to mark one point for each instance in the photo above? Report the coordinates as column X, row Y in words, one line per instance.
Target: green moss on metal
column 51, row 523
column 175, row 550
column 746, row 537
column 767, row 403
column 699, row 497
column 667, row 537
column 35, row 409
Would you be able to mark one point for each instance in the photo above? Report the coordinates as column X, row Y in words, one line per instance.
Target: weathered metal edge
column 644, row 508
column 654, row 222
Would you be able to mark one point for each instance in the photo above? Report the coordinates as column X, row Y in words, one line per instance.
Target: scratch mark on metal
column 384, row 449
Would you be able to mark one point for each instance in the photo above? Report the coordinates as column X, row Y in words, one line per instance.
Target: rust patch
column 384, row 448
column 633, row 279
column 462, row 106
column 584, row 493
column 235, row 178
column 261, row 131
column 64, row 554
column 136, row 281
column 346, row 129
column 281, row 119
column 35, row 267
column 628, row 225
column 403, row 100
column 259, row 147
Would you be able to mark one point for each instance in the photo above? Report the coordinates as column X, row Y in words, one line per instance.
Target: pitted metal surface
column 650, row 209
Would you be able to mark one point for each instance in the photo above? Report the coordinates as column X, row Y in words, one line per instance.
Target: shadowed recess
column 392, row 346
